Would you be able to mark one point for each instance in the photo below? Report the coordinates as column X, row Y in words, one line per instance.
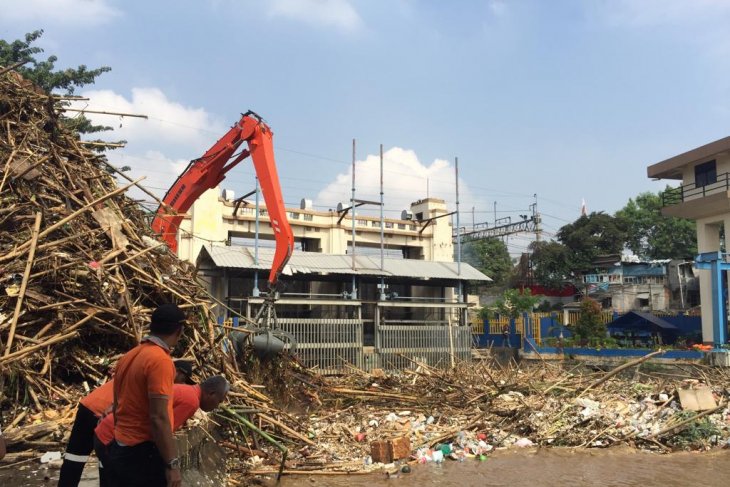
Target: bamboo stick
column 24, row 284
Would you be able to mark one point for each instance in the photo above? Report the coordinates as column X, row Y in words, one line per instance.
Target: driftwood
column 621, row 368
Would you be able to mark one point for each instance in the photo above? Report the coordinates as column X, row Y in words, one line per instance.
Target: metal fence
column 399, row 346
column 327, row 345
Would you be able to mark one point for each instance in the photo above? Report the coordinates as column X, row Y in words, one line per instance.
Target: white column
column 708, row 240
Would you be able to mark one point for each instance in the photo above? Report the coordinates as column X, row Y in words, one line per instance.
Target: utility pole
column 256, row 291
column 536, row 216
column 382, row 228
column 352, row 215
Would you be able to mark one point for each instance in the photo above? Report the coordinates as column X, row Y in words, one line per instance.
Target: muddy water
column 539, row 468
column 553, row 468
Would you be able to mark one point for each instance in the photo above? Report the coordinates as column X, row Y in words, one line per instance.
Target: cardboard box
column 381, row 451
column 400, row 448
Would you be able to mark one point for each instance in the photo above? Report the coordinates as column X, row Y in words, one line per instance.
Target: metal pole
column 679, row 278
column 495, row 213
column 536, row 215
column 352, row 215
column 256, row 245
column 458, row 232
column 382, row 227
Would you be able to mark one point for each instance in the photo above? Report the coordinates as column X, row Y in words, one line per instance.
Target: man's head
column 183, row 371
column 167, row 323
column 213, row 391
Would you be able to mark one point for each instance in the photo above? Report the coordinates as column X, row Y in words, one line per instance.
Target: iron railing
column 402, row 346
column 680, row 194
column 326, row 345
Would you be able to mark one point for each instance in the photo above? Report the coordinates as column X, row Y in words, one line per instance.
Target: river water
column 552, row 468
column 556, row 467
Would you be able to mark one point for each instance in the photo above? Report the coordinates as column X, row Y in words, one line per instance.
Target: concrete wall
column 211, row 220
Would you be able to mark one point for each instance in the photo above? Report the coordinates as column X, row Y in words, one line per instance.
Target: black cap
column 168, row 314
column 185, row 367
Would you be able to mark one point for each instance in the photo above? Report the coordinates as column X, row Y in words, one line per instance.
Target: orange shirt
column 100, row 400
column 144, row 372
column 186, row 400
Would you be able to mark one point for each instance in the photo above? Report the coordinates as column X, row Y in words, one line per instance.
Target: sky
column 555, row 102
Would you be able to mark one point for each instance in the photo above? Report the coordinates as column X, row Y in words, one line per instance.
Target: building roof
column 672, row 168
column 634, row 319
column 239, row 257
column 643, row 270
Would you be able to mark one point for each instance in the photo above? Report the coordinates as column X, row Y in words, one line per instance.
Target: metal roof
column 638, row 319
column 239, row 257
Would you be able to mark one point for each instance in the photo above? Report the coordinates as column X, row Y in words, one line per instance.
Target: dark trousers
column 80, row 445
column 135, row 466
column 102, row 454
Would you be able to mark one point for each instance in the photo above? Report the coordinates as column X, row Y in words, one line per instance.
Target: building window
column 376, row 223
column 388, row 224
column 401, row 226
column 263, row 212
column 705, row 174
column 308, row 217
column 293, row 216
column 363, row 223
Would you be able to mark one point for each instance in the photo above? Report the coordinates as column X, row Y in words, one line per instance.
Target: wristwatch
column 173, row 464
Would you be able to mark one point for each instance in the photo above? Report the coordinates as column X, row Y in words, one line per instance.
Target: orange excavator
column 206, row 173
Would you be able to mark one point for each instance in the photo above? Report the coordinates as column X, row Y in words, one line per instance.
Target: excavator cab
column 209, row 171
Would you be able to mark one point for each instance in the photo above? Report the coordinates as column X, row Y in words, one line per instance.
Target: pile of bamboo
column 80, row 270
column 80, row 273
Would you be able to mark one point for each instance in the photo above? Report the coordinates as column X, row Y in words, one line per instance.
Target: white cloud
column 191, row 129
column 159, row 170
column 159, row 147
column 405, row 180
column 497, row 7
column 329, row 13
column 65, row 12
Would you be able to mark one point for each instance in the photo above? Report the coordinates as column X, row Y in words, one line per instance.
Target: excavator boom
column 209, row 170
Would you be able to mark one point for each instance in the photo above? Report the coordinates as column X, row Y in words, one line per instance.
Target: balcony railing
column 686, row 192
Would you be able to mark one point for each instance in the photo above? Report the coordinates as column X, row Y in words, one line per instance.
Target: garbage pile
column 477, row 408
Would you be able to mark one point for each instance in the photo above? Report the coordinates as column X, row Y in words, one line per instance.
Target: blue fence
column 551, row 328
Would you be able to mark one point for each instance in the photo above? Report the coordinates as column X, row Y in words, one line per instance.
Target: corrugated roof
column 637, row 318
column 238, row 257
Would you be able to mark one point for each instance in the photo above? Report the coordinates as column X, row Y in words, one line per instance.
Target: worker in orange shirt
column 186, row 400
column 90, row 410
column 143, row 452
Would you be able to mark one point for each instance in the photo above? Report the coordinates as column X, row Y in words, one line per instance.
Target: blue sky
column 563, row 99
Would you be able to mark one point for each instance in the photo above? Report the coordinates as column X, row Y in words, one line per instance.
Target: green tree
column 512, row 304
column 651, row 235
column 590, row 326
column 590, row 236
column 45, row 75
column 550, row 263
column 491, row 257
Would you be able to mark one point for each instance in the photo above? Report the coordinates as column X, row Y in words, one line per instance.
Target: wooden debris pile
column 476, row 408
column 80, row 270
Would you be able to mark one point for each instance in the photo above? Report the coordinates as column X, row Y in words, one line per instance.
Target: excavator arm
column 209, row 170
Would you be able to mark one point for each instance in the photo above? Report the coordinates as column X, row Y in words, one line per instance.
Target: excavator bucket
column 265, row 338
